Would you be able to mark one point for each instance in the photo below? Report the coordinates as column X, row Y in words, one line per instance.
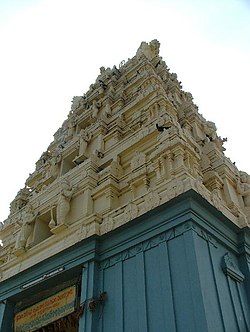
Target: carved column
column 179, row 153
column 229, row 192
column 158, row 166
column 169, row 165
column 87, row 201
column 90, row 182
column 213, row 182
column 188, row 161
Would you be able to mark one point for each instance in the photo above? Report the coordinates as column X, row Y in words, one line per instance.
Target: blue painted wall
column 182, row 267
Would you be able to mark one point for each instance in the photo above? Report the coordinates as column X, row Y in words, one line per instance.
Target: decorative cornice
column 230, row 268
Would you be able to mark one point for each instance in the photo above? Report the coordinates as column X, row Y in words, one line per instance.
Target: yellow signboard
column 46, row 311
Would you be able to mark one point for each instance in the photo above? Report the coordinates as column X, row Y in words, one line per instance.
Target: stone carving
column 149, row 50
column 63, row 203
column 107, row 225
column 216, row 199
column 107, row 110
column 52, row 222
column 162, row 69
column 71, row 126
column 243, row 187
column 54, row 163
column 151, row 200
column 210, row 131
column 205, row 162
column 20, row 200
column 138, row 160
column 173, row 87
column 27, row 223
column 42, row 160
column 230, row 268
column 115, row 168
column 95, row 109
column 219, row 143
column 105, row 74
column 179, row 187
column 130, row 212
column 78, row 103
column 84, row 139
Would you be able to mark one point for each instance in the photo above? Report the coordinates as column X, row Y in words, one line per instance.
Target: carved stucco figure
column 79, row 103
column 54, row 163
column 210, row 131
column 219, row 143
column 95, row 109
column 115, row 168
column 63, row 204
column 20, row 200
column 130, row 212
column 84, row 140
column 138, row 160
column 27, row 224
column 71, row 126
column 151, row 200
column 107, row 109
column 149, row 50
column 243, row 187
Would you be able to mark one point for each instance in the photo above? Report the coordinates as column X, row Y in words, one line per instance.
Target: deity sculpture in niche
column 71, row 126
column 54, row 164
column 243, row 188
column 63, row 204
column 107, row 110
column 84, row 139
column 27, row 224
column 95, row 109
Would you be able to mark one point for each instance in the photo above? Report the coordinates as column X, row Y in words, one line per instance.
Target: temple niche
column 132, row 142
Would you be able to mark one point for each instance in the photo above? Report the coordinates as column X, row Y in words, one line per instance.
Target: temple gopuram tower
column 133, row 220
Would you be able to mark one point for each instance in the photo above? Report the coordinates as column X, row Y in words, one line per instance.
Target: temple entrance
column 69, row 323
column 58, row 313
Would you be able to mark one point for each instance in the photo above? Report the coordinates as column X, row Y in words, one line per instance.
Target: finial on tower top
column 150, row 50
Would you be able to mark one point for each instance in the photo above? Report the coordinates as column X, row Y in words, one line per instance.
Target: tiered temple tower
column 133, row 152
